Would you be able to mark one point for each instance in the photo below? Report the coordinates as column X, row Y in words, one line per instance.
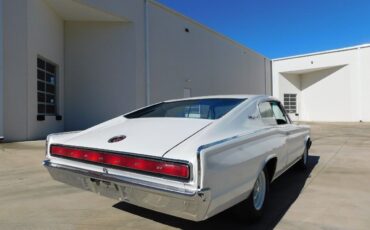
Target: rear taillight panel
column 123, row 161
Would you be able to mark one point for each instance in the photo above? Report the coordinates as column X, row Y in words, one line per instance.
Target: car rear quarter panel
column 298, row 139
column 230, row 169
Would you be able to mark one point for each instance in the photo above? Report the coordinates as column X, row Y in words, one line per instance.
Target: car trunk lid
column 144, row 136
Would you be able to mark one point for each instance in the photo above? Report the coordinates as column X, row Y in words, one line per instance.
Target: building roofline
column 323, row 52
column 192, row 21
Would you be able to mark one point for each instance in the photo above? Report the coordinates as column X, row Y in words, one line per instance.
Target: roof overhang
column 323, row 52
column 310, row 70
column 74, row 10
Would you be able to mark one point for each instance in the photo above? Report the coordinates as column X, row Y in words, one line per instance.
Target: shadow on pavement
column 283, row 192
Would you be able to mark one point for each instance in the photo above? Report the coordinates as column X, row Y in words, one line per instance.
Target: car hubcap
column 259, row 191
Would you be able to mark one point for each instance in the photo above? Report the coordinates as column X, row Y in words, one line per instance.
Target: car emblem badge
column 116, row 139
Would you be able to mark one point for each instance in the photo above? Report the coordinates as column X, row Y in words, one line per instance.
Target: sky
column 280, row 28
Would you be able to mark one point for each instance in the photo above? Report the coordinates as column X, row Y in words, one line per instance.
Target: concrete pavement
column 337, row 194
column 334, row 193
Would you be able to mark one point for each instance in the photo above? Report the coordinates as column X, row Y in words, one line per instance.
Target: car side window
column 279, row 115
column 266, row 113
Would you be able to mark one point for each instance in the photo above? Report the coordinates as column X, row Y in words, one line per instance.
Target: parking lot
column 334, row 193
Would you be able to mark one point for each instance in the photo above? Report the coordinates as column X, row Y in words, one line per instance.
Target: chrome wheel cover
column 259, row 191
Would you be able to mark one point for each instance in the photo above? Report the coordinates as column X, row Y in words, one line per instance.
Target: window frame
column 288, row 103
column 263, row 119
column 278, row 103
column 137, row 113
column 44, row 81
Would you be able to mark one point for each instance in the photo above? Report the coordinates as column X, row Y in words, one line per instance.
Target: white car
column 191, row 158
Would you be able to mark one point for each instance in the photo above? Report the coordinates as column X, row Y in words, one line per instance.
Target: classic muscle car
column 191, row 158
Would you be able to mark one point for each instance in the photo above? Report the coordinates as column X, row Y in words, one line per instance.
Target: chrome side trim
column 202, row 147
column 122, row 179
column 209, row 145
column 206, row 146
column 199, row 172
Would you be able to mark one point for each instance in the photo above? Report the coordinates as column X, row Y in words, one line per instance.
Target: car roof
column 231, row 96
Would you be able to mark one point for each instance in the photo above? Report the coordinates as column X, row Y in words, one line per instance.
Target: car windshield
column 198, row 109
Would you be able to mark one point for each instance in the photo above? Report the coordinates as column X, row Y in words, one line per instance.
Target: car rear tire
column 253, row 207
column 302, row 163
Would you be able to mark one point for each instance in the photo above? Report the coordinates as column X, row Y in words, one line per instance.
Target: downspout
column 265, row 71
column 359, row 78
column 270, row 77
column 1, row 73
column 147, row 64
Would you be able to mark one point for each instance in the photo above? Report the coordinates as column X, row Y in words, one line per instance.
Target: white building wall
column 176, row 59
column 31, row 28
column 1, row 72
column 292, row 85
column 15, row 69
column 365, row 83
column 200, row 60
column 100, row 72
column 316, row 105
column 332, row 84
column 133, row 10
column 100, row 48
column 45, row 33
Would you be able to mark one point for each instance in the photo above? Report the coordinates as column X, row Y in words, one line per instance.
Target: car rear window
column 198, row 109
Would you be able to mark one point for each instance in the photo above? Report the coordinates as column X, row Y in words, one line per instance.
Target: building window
column 46, row 87
column 290, row 103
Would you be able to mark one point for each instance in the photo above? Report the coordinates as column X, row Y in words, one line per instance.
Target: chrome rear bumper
column 191, row 205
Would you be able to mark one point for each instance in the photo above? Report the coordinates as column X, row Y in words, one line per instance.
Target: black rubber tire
column 245, row 211
column 302, row 163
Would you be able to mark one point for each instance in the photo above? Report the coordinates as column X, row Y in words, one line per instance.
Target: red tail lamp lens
column 129, row 162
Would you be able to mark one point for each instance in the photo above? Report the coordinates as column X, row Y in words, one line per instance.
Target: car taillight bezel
column 139, row 157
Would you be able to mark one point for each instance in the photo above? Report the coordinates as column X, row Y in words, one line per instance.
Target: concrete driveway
column 334, row 193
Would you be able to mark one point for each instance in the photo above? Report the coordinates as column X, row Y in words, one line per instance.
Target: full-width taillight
column 167, row 168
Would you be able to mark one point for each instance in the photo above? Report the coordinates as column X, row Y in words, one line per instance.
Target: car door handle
column 287, row 133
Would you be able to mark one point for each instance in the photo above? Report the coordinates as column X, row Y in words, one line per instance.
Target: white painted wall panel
column 100, row 72
column 1, row 72
column 45, row 33
column 15, row 69
column 291, row 83
column 199, row 60
column 365, row 84
column 132, row 10
column 316, row 105
column 101, row 65
column 334, row 84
